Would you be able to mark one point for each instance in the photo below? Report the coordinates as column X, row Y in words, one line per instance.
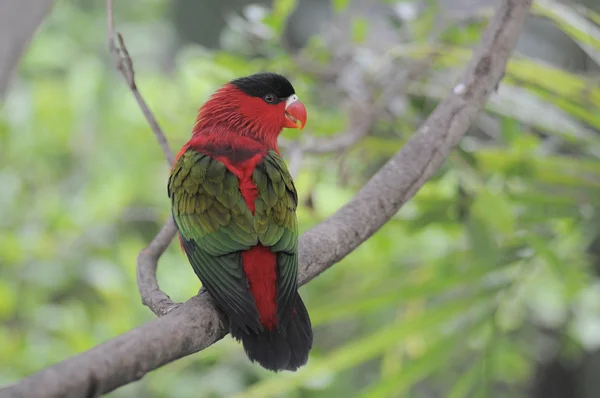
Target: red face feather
column 233, row 110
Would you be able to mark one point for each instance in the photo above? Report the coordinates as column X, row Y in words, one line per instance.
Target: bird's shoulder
column 229, row 148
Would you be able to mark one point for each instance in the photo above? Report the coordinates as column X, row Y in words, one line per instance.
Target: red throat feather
column 229, row 108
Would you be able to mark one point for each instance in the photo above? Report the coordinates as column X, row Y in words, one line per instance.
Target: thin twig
column 124, row 64
column 147, row 261
column 362, row 117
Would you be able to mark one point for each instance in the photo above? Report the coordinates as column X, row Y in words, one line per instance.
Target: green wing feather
column 277, row 227
column 215, row 226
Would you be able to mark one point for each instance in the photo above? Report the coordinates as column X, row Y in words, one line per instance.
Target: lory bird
column 234, row 203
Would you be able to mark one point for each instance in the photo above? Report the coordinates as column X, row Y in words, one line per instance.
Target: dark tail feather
column 299, row 335
column 280, row 350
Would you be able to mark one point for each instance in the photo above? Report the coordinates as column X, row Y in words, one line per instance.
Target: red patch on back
column 260, row 266
column 243, row 172
column 259, row 262
column 239, row 154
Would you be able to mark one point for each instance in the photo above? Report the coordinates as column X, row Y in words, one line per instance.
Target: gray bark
column 19, row 20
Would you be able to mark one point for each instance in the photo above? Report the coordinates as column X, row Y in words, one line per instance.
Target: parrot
column 234, row 203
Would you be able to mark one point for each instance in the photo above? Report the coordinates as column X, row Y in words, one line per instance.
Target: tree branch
column 147, row 262
column 197, row 324
column 19, row 20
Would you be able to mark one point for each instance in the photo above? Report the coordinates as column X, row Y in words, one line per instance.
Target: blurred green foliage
column 454, row 296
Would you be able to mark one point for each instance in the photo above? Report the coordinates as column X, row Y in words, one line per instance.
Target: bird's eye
column 269, row 98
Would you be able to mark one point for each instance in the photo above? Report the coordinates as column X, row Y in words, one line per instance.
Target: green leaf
column 483, row 243
column 401, row 293
column 495, row 210
column 8, row 301
column 584, row 32
column 340, row 5
column 556, row 170
column 592, row 15
column 281, row 9
column 466, row 383
column 360, row 28
column 416, row 370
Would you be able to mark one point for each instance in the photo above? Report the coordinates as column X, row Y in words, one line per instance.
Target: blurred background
column 486, row 284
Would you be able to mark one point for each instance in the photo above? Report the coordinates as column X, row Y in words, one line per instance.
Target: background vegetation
column 485, row 284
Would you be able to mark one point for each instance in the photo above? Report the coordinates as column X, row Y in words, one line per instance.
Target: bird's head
column 260, row 106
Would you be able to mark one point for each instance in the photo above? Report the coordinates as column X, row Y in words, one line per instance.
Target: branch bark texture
column 197, row 324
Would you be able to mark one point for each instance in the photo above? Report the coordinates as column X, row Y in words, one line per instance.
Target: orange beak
column 295, row 113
